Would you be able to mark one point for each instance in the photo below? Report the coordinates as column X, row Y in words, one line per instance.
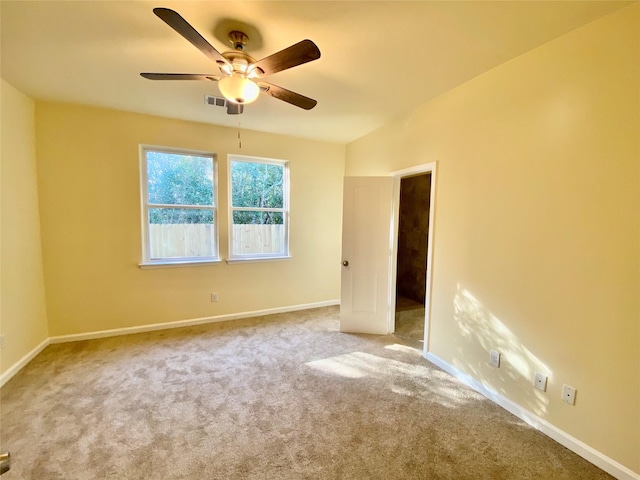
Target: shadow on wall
column 478, row 326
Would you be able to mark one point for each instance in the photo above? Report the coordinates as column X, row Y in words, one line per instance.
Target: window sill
column 186, row 263
column 258, row 259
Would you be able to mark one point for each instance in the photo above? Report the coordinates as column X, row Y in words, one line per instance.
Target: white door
column 365, row 295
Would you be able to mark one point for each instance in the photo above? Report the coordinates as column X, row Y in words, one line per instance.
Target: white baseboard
column 16, row 367
column 585, row 451
column 187, row 323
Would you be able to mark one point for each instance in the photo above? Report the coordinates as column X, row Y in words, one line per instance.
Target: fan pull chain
column 239, row 139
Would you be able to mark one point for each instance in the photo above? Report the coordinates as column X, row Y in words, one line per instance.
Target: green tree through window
column 179, row 207
column 259, row 207
column 176, row 179
column 257, row 185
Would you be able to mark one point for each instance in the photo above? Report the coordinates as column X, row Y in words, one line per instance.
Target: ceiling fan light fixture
column 239, row 68
column 238, row 89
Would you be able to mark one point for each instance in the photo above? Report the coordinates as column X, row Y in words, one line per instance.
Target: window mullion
column 258, row 209
column 177, row 205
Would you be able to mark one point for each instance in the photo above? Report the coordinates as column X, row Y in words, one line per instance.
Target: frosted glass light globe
column 238, row 89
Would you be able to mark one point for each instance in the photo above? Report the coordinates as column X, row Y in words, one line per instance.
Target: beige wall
column 23, row 314
column 88, row 168
column 537, row 228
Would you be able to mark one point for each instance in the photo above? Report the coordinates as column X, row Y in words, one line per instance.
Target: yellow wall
column 23, row 315
column 88, row 170
column 537, row 226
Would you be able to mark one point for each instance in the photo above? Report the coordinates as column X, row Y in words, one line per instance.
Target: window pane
column 257, row 218
column 257, row 185
column 178, row 232
column 180, row 215
column 258, row 233
column 175, row 179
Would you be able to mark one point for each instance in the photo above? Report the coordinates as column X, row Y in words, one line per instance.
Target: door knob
column 345, row 263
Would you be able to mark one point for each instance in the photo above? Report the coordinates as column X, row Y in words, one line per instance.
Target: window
column 179, row 216
column 259, row 208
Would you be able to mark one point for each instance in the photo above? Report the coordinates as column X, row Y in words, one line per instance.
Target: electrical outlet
column 540, row 381
column 214, row 297
column 494, row 358
column 568, row 394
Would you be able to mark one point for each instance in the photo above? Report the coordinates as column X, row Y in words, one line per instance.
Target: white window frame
column 256, row 257
column 147, row 261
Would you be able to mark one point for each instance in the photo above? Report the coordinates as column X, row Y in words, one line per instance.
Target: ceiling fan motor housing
column 238, row 39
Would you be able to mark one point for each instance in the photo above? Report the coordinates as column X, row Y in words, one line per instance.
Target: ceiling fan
column 240, row 79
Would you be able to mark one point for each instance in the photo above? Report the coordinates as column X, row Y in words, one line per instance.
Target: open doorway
column 411, row 261
column 370, row 220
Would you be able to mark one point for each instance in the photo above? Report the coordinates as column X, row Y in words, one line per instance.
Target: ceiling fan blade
column 180, row 25
column 234, row 108
column 288, row 96
column 180, row 76
column 302, row 52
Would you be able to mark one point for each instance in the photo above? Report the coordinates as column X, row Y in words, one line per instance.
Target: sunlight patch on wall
column 479, row 325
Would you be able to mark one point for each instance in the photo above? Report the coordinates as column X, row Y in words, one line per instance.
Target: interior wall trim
column 20, row 364
column 590, row 454
column 187, row 323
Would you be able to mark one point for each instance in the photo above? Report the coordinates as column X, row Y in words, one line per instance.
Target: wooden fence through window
column 197, row 240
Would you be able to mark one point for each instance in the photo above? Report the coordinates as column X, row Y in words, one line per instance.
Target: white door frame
column 398, row 175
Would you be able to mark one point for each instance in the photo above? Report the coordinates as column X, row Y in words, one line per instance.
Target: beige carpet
column 279, row 397
column 410, row 327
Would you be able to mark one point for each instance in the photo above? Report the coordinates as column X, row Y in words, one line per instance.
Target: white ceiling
column 379, row 59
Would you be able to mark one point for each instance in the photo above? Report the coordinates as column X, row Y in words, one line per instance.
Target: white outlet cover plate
column 569, row 394
column 540, row 381
column 494, row 358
